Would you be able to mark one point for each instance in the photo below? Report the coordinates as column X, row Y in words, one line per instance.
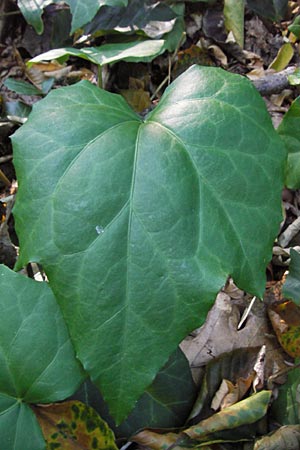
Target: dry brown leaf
column 219, row 335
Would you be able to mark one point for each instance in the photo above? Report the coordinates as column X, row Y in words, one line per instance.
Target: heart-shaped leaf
column 145, row 219
column 82, row 11
column 37, row 360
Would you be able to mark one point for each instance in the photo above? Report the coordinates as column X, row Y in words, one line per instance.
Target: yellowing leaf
column 242, row 413
column 285, row 318
column 284, row 55
column 73, row 425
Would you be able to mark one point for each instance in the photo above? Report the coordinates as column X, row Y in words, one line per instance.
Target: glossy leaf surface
column 291, row 287
column 109, row 53
column 286, row 408
column 19, row 428
column 289, row 130
column 166, row 209
column 36, row 355
column 271, row 9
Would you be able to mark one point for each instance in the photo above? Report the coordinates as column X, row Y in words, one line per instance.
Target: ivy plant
column 138, row 222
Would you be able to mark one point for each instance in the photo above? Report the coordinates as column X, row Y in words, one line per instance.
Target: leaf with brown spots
column 285, row 318
column 73, row 425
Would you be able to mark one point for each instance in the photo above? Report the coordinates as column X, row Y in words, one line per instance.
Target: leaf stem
column 100, row 81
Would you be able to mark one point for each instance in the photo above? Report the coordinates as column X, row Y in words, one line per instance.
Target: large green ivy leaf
column 82, row 11
column 37, row 360
column 138, row 223
column 289, row 130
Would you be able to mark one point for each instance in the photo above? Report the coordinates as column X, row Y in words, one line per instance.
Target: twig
column 167, row 79
column 4, row 179
column 5, row 159
column 10, row 13
column 275, row 82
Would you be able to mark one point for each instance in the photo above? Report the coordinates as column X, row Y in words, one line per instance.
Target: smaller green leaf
column 154, row 19
column 32, row 11
column 286, row 408
column 234, row 19
column 82, row 11
column 291, row 287
column 271, row 9
column 19, row 428
column 21, row 87
column 295, row 27
column 37, row 359
column 294, row 78
column 136, row 51
column 18, row 110
column 289, row 131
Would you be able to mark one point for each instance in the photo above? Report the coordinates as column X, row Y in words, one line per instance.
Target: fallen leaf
column 220, row 335
column 284, row 56
column 244, row 412
column 285, row 319
column 285, row 438
column 73, row 425
column 156, row 441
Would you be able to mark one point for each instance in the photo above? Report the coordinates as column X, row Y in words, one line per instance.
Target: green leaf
column 294, row 78
column 19, row 428
column 37, row 358
column 82, row 11
column 109, row 53
column 271, row 9
column 289, row 131
column 234, row 19
column 291, row 287
column 284, row 56
column 286, row 408
column 21, row 87
column 145, row 219
column 154, row 19
column 295, row 27
column 32, row 11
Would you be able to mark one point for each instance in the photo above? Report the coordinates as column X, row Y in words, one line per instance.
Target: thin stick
column 5, row 159
column 4, row 179
column 10, row 13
